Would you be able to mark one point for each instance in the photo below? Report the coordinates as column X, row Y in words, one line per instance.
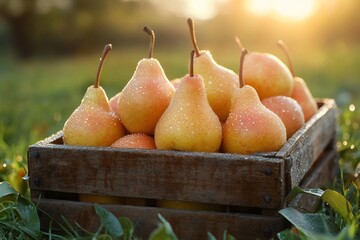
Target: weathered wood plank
column 186, row 224
column 227, row 179
column 301, row 151
column 321, row 175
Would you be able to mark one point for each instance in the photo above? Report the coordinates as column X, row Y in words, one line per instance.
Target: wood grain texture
column 186, row 224
column 227, row 179
column 321, row 175
column 301, row 150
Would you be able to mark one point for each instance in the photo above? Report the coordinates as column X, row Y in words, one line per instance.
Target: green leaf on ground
column 309, row 223
column 109, row 221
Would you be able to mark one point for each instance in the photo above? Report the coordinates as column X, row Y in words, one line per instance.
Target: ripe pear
column 301, row 93
column 189, row 123
column 93, row 123
column 288, row 110
column 146, row 96
column 267, row 74
column 220, row 82
column 251, row 127
column 304, row 97
column 175, row 82
column 135, row 140
column 114, row 103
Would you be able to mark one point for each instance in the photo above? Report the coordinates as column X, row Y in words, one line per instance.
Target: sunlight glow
column 199, row 9
column 287, row 9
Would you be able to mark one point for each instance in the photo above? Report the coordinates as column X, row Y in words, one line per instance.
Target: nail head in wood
column 36, row 154
column 267, row 171
column 267, row 198
column 37, row 182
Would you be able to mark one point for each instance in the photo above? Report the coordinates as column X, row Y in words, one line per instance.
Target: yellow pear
column 301, row 93
column 135, row 140
column 289, row 111
column 93, row 123
column 114, row 103
column 220, row 82
column 304, row 97
column 251, row 127
column 267, row 74
column 189, row 123
column 146, row 96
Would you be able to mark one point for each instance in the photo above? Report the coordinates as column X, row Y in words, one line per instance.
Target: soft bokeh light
column 200, row 9
column 352, row 107
column 287, row 9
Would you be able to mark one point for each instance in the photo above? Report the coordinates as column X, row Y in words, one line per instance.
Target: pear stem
column 238, row 42
column 191, row 25
column 107, row 49
column 283, row 47
column 152, row 40
column 244, row 51
column 191, row 64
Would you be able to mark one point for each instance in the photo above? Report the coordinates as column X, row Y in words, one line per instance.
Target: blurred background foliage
column 49, row 51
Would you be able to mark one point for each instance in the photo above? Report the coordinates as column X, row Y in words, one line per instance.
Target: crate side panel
column 313, row 140
column 320, row 175
column 186, row 224
column 214, row 178
column 325, row 106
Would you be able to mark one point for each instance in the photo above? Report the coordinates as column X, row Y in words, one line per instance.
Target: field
column 36, row 97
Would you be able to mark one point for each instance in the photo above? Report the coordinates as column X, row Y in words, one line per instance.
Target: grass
column 37, row 97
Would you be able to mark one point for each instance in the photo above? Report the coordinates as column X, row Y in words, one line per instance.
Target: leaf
column 211, row 237
column 339, row 203
column 168, row 227
column 28, row 214
column 336, row 201
column 127, row 227
column 297, row 190
column 7, row 192
column 310, row 224
column 159, row 234
column 227, row 236
column 163, row 231
column 110, row 222
column 288, row 234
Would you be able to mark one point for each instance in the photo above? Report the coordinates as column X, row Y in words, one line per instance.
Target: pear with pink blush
column 93, row 123
column 289, row 111
column 189, row 123
column 251, row 127
column 146, row 96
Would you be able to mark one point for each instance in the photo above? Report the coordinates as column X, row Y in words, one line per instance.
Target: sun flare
column 287, row 9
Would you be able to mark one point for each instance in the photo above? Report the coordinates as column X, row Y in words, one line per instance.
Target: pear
column 267, row 74
column 251, row 127
column 175, row 82
column 114, row 103
column 301, row 93
column 220, row 82
column 288, row 110
column 93, row 123
column 189, row 123
column 135, row 140
column 146, row 96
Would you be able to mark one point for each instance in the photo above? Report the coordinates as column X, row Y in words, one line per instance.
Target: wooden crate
column 250, row 188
